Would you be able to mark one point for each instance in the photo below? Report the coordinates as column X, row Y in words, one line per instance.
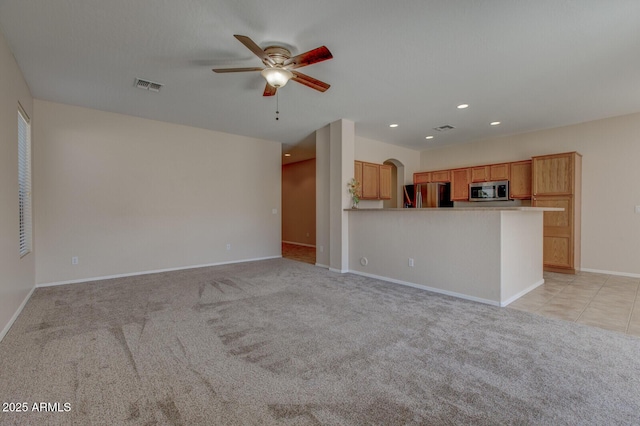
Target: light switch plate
column 637, row 209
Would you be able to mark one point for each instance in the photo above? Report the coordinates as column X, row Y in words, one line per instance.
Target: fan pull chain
column 277, row 105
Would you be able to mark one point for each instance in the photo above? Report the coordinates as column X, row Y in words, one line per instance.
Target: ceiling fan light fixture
column 276, row 77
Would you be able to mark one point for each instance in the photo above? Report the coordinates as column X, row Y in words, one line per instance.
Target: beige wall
column 128, row 195
column 374, row 151
column 17, row 275
column 378, row 152
column 610, row 177
column 299, row 202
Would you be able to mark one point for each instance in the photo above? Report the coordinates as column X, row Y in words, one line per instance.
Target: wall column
column 335, row 154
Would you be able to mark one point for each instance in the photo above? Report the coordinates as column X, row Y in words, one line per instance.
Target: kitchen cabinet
column 557, row 182
column 374, row 179
column 423, row 177
column 370, row 181
column 357, row 175
column 490, row 173
column 441, row 176
column 480, row 174
column 520, row 183
column 554, row 174
column 460, row 179
column 384, row 190
column 499, row 171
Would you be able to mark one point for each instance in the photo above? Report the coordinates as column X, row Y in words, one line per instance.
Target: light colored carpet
column 283, row 342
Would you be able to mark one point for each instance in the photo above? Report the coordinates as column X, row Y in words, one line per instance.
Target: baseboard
column 522, row 293
column 299, row 244
column 133, row 274
column 15, row 316
column 427, row 288
column 340, row 271
column 621, row 274
column 322, row 266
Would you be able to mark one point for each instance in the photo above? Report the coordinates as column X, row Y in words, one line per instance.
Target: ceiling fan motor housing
column 277, row 53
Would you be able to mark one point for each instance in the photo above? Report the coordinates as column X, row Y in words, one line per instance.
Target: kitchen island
column 487, row 254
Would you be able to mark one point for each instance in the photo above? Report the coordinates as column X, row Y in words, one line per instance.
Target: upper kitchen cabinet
column 555, row 174
column 441, row 176
column 374, row 179
column 499, row 171
column 357, row 175
column 460, row 179
column 370, row 181
column 384, row 192
column 480, row 174
column 422, row 177
column 490, row 173
column 557, row 182
column 520, row 184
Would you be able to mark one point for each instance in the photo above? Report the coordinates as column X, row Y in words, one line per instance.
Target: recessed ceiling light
column 463, row 106
column 287, row 155
column 393, row 125
column 429, row 137
column 495, row 123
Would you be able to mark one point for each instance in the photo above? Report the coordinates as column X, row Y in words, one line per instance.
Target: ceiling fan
column 280, row 65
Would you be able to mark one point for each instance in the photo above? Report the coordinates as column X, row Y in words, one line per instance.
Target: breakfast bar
column 487, row 254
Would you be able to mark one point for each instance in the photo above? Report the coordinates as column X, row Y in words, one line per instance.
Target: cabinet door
column 357, row 175
column 423, row 177
column 520, row 184
column 441, row 176
column 384, row 191
column 552, row 174
column 499, row 171
column 558, row 231
column 370, row 181
column 480, row 174
column 460, row 179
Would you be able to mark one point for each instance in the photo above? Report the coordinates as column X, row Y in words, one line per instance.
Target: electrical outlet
column 411, row 262
column 228, row 247
column 74, row 260
column 274, row 211
column 321, row 249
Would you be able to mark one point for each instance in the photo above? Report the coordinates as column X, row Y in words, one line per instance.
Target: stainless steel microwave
column 489, row 191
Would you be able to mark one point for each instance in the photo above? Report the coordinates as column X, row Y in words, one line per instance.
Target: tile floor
column 606, row 301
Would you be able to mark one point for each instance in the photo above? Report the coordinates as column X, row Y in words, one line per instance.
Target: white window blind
column 24, row 181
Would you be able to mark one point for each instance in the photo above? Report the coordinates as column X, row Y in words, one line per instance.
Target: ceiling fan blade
column 269, row 90
column 252, row 46
column 320, row 86
column 311, row 57
column 235, row 69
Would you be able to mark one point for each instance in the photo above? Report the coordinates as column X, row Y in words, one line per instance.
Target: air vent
column 444, row 128
column 148, row 85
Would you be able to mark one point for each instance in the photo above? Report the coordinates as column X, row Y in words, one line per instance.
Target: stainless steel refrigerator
column 433, row 195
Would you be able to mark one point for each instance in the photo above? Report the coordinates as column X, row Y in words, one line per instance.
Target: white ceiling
column 529, row 64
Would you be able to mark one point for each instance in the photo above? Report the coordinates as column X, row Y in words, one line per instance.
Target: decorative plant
column 354, row 186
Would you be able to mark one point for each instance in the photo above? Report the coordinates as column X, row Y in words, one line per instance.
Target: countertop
column 457, row 209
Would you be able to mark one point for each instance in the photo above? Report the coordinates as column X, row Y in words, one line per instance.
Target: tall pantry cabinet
column 557, row 182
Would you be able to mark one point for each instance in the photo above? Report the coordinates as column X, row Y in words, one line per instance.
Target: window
column 24, row 181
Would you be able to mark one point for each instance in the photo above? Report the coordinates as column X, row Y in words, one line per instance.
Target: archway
column 397, row 183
